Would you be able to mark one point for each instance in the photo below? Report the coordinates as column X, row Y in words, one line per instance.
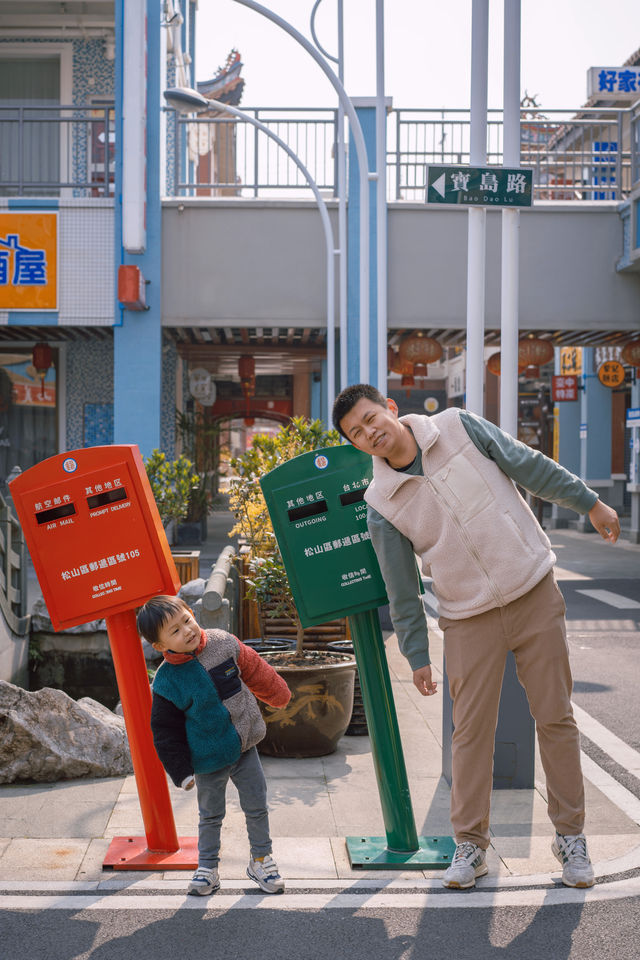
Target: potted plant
column 172, row 482
column 200, row 439
column 321, row 681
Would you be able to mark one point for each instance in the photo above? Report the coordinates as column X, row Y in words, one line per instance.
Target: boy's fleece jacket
column 204, row 713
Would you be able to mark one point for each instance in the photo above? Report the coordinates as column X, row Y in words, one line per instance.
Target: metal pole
column 477, row 217
column 386, row 746
column 341, row 186
column 361, row 153
column 381, row 204
column 135, row 696
column 328, row 236
column 510, row 224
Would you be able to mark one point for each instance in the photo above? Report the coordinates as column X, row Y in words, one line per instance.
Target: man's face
column 180, row 633
column 373, row 428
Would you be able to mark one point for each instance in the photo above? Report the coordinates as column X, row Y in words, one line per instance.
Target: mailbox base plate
column 132, row 853
column 373, row 853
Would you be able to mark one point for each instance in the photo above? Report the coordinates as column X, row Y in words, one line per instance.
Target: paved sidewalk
column 55, row 834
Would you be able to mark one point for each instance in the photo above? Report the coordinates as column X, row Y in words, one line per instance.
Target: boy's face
column 373, row 428
column 179, row 633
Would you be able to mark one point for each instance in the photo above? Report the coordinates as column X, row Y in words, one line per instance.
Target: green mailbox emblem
column 319, row 515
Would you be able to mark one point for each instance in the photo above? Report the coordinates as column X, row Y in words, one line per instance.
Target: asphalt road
column 569, row 932
column 604, row 644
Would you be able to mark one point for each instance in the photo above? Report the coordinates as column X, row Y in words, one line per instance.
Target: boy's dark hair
column 347, row 399
column 153, row 615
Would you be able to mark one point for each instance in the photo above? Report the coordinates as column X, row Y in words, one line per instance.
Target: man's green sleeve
column 399, row 572
column 530, row 469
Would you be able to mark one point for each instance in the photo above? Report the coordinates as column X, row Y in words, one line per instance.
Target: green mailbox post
column 319, row 515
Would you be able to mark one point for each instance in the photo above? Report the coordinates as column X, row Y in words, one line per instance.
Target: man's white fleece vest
column 476, row 536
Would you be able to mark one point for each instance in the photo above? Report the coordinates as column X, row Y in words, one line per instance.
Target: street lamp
column 187, row 100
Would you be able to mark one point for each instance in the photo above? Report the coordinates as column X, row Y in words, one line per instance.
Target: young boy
column 206, row 724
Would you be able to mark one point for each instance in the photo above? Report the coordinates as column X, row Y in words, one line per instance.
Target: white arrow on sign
column 439, row 184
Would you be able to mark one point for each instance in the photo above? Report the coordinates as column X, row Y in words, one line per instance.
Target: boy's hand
column 188, row 783
column 605, row 520
column 423, row 681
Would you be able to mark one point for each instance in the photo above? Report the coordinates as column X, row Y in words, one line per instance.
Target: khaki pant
column 533, row 627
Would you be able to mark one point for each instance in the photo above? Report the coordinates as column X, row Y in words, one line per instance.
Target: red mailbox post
column 99, row 550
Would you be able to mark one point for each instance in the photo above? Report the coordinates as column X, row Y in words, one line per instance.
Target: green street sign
column 479, row 186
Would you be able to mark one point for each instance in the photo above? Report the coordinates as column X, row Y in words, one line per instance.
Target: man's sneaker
column 265, row 873
column 576, row 865
column 203, row 882
column 469, row 862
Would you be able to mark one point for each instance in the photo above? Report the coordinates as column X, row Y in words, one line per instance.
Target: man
column 444, row 488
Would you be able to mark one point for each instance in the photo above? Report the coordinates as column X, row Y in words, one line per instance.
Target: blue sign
column 633, row 417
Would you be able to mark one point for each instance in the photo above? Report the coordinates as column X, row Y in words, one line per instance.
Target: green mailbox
column 319, row 516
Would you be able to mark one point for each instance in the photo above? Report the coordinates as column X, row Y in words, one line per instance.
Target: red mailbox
column 99, row 549
column 94, row 533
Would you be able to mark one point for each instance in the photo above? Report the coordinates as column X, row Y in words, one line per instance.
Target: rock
column 46, row 736
column 192, row 591
column 151, row 655
column 41, row 621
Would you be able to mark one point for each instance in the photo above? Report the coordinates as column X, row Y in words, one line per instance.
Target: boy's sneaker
column 576, row 865
column 204, row 881
column 469, row 862
column 265, row 873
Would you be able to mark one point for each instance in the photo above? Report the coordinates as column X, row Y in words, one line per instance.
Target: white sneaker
column 265, row 873
column 576, row 865
column 469, row 862
column 204, row 881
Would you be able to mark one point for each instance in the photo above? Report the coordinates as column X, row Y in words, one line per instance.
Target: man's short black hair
column 347, row 399
column 153, row 615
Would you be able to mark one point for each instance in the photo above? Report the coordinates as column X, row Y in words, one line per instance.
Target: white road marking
column 612, row 599
column 615, row 748
column 423, row 900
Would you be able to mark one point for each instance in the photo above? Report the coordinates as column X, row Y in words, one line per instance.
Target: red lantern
column 42, row 358
column 493, row 364
column 403, row 367
column 534, row 352
column 631, row 353
column 246, row 368
column 419, row 348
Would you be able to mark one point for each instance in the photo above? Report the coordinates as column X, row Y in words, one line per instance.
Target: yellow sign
column 570, row 360
column 611, row 373
column 28, row 261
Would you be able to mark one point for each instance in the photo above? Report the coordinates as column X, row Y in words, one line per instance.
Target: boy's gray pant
column 248, row 777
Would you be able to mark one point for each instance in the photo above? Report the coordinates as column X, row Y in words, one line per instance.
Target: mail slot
column 94, row 533
column 319, row 515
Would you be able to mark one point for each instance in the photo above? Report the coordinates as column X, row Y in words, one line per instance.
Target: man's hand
column 188, row 783
column 424, row 682
column 605, row 520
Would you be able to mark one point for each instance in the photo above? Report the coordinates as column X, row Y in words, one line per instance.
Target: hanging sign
column 611, row 373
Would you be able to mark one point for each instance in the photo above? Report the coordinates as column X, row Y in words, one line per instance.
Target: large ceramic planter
column 358, row 723
column 319, row 711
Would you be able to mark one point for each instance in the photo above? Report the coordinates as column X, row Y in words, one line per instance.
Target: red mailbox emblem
column 94, row 533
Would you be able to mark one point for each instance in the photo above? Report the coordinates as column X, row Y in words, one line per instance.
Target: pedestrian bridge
column 261, row 263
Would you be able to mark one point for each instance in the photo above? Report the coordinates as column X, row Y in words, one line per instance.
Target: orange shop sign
column 611, row 373
column 28, row 261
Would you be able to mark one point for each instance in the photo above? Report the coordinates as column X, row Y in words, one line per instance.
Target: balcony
column 57, row 151
column 69, row 151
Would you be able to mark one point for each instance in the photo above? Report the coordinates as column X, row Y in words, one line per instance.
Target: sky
column 427, row 49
